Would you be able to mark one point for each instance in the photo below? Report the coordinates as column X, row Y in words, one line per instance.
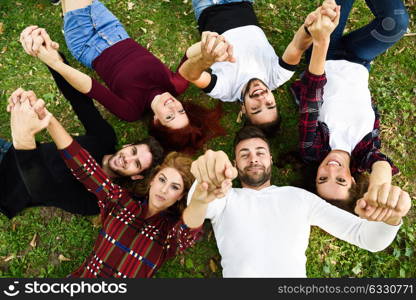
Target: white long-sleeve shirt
column 266, row 233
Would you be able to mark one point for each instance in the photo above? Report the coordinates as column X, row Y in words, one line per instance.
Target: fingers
column 46, row 120
column 332, row 14
column 404, row 204
column 26, row 40
column 310, row 19
column 393, row 197
column 338, row 11
column 47, row 40
column 383, row 194
column 39, row 108
column 230, row 51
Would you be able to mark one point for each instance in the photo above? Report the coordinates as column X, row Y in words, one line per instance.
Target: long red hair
column 204, row 124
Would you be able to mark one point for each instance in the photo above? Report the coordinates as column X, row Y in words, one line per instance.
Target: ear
column 126, row 145
column 243, row 109
column 136, row 177
column 271, row 159
column 155, row 119
column 234, row 163
column 353, row 179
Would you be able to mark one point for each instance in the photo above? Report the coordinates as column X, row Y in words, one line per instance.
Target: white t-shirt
column 255, row 58
column 346, row 108
column 266, row 233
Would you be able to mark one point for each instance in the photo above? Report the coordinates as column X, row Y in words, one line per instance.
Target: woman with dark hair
column 136, row 80
column 139, row 233
column 339, row 126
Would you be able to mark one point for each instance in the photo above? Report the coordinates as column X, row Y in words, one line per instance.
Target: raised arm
column 302, row 39
column 214, row 174
column 202, row 55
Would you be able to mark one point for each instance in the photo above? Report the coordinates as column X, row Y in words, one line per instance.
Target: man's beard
column 117, row 172
column 254, row 181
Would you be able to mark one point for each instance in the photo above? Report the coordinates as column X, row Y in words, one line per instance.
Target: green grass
column 58, row 233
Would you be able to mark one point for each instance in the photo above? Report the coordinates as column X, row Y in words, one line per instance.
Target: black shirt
column 40, row 177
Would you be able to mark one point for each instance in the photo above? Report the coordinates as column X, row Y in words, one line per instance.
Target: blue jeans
column 200, row 5
column 4, row 147
column 366, row 43
column 91, row 30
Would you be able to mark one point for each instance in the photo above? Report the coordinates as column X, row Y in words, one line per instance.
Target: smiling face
column 333, row 178
column 130, row 160
column 169, row 112
column 166, row 188
column 253, row 162
column 259, row 104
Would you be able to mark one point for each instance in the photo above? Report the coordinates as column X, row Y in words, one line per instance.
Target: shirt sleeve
column 280, row 73
column 221, row 87
column 86, row 170
column 126, row 109
column 372, row 236
column 181, row 237
column 309, row 91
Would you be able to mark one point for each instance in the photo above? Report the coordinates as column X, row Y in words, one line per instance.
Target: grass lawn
column 167, row 28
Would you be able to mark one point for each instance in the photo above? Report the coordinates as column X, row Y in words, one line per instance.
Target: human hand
column 214, row 48
column 204, row 194
column 383, row 195
column 25, row 122
column 32, row 37
column 325, row 20
column 213, row 168
column 20, row 94
column 391, row 216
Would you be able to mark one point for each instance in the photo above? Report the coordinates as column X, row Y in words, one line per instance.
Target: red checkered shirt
column 314, row 135
column 128, row 244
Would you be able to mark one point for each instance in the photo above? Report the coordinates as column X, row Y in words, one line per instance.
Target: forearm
column 59, row 135
column 318, row 58
column 194, row 214
column 193, row 68
column 79, row 80
column 380, row 173
column 299, row 44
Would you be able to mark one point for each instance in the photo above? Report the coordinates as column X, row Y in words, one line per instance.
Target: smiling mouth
column 168, row 101
column 334, row 162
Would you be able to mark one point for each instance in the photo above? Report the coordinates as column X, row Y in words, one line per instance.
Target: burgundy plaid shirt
column 128, row 245
column 314, row 135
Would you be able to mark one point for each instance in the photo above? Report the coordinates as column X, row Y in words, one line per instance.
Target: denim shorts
column 200, row 5
column 4, row 147
column 91, row 30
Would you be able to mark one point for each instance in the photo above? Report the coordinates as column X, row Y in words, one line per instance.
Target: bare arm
column 202, row 55
column 59, row 135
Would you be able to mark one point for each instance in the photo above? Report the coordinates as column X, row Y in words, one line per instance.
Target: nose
column 164, row 188
column 253, row 158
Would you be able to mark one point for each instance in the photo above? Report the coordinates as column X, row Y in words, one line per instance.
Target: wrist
column 26, row 142
column 321, row 42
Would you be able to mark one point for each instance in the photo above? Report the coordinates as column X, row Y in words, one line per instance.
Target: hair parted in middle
column 181, row 163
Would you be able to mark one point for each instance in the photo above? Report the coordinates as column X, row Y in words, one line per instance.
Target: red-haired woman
column 136, row 80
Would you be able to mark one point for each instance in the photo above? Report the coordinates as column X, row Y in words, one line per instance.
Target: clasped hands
column 214, row 173
column 37, row 43
column 28, row 117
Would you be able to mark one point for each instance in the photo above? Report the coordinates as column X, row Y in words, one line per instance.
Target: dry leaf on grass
column 130, row 5
column 213, row 266
column 149, row 21
column 63, row 258
column 33, row 242
column 10, row 257
column 1, row 28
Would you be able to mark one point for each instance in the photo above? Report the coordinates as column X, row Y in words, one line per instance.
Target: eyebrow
column 339, row 183
column 257, row 148
column 174, row 183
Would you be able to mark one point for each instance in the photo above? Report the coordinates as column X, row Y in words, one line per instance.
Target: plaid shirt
column 128, row 245
column 314, row 135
